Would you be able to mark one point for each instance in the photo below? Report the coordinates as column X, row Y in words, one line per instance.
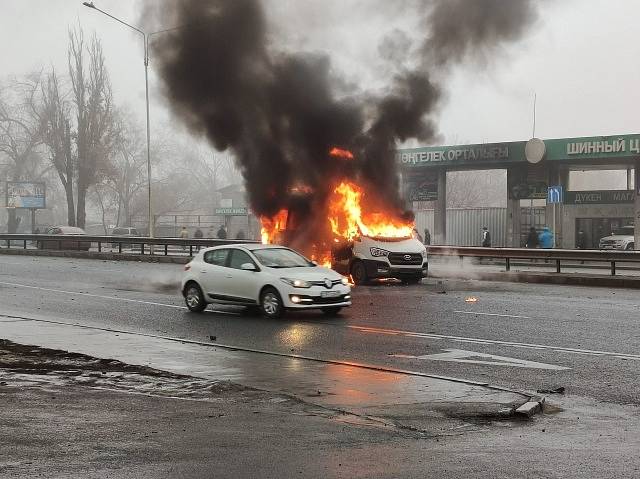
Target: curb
column 572, row 279
column 509, row 412
column 101, row 256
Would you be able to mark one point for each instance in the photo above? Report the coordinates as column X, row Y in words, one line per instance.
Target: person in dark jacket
column 532, row 239
column 198, row 235
column 241, row 235
column 486, row 238
column 427, row 237
column 581, row 240
column 222, row 233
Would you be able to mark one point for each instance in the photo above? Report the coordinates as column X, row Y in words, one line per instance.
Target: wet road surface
column 520, row 336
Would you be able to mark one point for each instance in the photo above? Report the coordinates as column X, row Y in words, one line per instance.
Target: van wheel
column 194, row 298
column 359, row 273
column 271, row 303
column 630, row 246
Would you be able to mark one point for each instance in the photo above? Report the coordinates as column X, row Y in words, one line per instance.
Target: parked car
column 267, row 277
column 124, row 232
column 621, row 239
column 72, row 239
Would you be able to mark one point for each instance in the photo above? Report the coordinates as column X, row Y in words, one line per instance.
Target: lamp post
column 145, row 39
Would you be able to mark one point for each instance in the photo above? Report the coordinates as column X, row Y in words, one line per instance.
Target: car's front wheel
column 271, row 303
column 194, row 298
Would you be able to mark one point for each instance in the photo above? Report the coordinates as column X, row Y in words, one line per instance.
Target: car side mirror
column 248, row 267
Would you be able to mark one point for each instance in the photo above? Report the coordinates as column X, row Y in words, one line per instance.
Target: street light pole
column 145, row 39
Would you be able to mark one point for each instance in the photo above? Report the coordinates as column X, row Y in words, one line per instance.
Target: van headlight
column 344, row 281
column 377, row 252
column 296, row 283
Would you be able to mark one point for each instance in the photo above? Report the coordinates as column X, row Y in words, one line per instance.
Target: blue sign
column 555, row 194
column 26, row 194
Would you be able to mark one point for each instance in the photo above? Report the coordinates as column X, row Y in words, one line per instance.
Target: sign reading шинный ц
column 622, row 147
column 26, row 194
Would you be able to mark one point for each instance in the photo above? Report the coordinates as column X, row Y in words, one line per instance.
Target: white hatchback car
column 269, row 277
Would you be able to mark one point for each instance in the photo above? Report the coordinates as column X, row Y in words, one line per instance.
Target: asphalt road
column 526, row 337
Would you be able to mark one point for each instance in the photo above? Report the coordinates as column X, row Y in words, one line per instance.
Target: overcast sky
column 582, row 59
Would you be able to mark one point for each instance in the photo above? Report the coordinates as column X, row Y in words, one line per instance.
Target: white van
column 367, row 258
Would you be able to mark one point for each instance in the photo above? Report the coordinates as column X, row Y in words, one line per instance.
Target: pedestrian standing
column 198, row 235
column 184, row 234
column 532, row 238
column 240, row 235
column 546, row 238
column 222, row 232
column 581, row 240
column 427, row 237
column 486, row 238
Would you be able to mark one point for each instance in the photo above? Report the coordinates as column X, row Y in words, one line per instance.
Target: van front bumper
column 382, row 269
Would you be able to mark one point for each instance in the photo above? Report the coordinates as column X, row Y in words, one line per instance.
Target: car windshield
column 624, row 231
column 281, row 258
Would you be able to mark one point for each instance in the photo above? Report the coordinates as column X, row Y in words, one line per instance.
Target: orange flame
column 272, row 227
column 340, row 153
column 348, row 221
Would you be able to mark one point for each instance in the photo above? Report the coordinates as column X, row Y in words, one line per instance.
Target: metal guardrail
column 58, row 242
column 557, row 255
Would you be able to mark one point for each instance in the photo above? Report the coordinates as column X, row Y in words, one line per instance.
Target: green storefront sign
column 604, row 197
column 231, row 211
column 621, row 147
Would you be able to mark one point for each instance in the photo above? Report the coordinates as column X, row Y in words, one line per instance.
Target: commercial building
column 532, row 168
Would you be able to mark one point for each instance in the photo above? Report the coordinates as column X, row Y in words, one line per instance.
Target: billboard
column 26, row 194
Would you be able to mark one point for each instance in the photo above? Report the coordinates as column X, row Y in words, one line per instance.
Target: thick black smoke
column 279, row 113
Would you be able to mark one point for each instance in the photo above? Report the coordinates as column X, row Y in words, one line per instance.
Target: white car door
column 244, row 285
column 213, row 273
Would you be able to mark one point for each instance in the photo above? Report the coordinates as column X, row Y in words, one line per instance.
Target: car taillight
column 187, row 266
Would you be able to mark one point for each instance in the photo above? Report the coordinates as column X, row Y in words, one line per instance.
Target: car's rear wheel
column 359, row 273
column 271, row 303
column 194, row 298
column 332, row 311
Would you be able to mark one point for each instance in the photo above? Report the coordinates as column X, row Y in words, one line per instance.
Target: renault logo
column 407, row 257
column 328, row 283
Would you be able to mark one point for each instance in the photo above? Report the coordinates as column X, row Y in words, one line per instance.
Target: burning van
column 353, row 241
column 367, row 258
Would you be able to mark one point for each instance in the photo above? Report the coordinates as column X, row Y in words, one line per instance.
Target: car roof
column 247, row 246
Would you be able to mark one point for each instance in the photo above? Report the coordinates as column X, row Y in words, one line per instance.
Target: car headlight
column 344, row 281
column 377, row 252
column 296, row 283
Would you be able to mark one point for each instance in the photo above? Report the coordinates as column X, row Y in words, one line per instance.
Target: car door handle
column 229, row 276
column 203, row 270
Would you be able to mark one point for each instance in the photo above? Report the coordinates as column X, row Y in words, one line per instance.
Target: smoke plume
column 280, row 113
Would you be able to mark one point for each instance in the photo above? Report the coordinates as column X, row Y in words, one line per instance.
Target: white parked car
column 269, row 277
column 622, row 238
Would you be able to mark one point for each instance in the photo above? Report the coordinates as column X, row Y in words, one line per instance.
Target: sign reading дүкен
column 26, row 194
column 603, row 197
column 231, row 211
column 593, row 148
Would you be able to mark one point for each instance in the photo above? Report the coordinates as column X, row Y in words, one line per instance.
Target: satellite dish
column 534, row 150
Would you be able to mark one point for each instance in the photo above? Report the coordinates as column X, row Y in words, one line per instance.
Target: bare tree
column 20, row 135
column 55, row 118
column 92, row 97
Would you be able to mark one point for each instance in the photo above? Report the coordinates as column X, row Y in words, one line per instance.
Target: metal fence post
column 557, row 266
column 508, row 264
column 613, row 268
